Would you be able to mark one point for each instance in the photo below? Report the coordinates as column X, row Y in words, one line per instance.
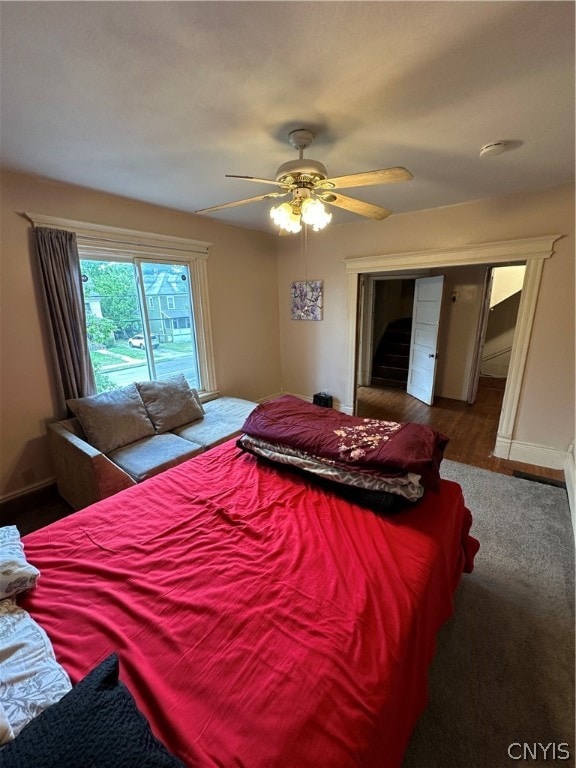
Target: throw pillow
column 16, row 573
column 96, row 725
column 170, row 403
column 113, row 419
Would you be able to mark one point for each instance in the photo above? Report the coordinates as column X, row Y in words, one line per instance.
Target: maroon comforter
column 353, row 442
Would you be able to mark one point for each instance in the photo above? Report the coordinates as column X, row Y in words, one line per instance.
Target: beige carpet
column 504, row 669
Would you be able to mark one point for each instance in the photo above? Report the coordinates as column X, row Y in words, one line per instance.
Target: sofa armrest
column 83, row 474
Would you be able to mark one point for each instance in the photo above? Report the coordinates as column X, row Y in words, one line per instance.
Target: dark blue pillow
column 96, row 725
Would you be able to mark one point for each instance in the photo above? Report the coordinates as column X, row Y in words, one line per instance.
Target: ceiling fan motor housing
column 297, row 168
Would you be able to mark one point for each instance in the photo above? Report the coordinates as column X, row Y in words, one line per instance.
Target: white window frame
column 115, row 243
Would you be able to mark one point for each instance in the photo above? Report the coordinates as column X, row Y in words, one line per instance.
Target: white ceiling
column 157, row 101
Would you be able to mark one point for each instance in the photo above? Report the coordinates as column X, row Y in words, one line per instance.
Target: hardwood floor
column 471, row 428
column 34, row 510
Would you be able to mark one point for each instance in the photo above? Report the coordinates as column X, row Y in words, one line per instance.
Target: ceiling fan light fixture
column 307, row 180
column 285, row 218
column 314, row 214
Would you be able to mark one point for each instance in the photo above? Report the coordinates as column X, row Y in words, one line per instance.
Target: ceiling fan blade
column 382, row 176
column 268, row 196
column 252, row 178
column 369, row 210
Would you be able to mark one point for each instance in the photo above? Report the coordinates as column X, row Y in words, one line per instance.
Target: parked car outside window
column 139, row 341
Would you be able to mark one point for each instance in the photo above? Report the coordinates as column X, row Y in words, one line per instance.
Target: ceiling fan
column 307, row 183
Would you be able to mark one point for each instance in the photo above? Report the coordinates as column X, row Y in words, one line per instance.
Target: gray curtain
column 62, row 283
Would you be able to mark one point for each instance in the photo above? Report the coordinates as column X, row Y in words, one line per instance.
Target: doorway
column 478, row 316
column 405, row 323
column 533, row 251
column 497, row 327
column 391, row 332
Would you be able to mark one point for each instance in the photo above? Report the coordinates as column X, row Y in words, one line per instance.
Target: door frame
column 533, row 251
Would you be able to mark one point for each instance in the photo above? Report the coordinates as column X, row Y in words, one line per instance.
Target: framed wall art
column 307, row 298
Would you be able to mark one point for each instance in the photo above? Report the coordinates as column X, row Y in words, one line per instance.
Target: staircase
column 390, row 363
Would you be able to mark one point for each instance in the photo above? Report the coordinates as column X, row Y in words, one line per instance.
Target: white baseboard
column 502, row 447
column 541, row 455
column 530, row 453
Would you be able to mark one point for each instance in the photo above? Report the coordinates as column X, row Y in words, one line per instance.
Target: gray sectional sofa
column 120, row 438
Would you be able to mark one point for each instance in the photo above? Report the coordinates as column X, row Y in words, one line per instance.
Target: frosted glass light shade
column 314, row 214
column 285, row 218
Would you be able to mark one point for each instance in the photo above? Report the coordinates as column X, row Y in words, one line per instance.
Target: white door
column 424, row 340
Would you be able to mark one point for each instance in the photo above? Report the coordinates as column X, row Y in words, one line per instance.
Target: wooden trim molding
column 533, row 251
column 99, row 233
column 520, row 346
column 503, row 251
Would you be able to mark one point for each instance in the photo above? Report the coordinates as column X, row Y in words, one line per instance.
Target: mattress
column 259, row 619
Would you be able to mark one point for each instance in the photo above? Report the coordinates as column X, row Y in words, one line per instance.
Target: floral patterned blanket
column 352, row 442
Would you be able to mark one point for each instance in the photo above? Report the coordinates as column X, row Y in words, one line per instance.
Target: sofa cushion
column 153, row 455
column 170, row 403
column 223, row 418
column 112, row 419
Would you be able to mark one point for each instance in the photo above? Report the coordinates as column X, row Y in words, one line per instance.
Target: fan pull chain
column 304, row 249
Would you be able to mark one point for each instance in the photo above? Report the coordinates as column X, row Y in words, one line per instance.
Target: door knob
column 433, row 355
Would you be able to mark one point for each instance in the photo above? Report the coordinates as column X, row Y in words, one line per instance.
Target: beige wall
column 315, row 355
column 259, row 349
column 243, row 296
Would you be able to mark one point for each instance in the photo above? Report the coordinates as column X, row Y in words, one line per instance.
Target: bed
column 260, row 619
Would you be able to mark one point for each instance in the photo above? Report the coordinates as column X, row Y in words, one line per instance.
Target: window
column 130, row 338
column 127, row 276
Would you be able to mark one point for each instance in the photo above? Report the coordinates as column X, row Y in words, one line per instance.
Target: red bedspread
column 260, row 622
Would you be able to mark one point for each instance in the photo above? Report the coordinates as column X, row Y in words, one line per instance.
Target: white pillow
column 16, row 573
column 30, row 677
